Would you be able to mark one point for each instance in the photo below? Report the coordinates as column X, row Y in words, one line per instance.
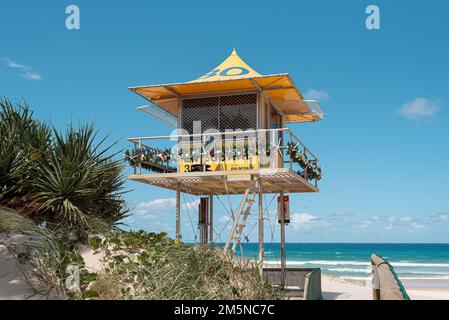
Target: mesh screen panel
column 160, row 114
column 222, row 113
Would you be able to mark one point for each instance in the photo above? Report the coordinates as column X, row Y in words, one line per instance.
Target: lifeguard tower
column 231, row 138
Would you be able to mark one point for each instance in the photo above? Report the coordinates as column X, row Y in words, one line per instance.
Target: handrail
column 386, row 284
column 302, row 144
column 174, row 137
column 292, row 141
column 206, row 134
column 306, row 279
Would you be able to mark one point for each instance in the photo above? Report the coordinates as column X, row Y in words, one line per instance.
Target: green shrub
column 68, row 178
column 151, row 266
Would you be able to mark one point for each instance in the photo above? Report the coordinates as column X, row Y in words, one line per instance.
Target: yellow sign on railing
column 229, row 165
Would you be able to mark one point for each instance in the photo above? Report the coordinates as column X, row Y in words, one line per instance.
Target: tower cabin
column 232, row 138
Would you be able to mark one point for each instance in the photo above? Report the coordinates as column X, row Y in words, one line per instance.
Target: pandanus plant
column 66, row 178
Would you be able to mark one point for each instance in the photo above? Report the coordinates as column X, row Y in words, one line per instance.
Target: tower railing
column 223, row 151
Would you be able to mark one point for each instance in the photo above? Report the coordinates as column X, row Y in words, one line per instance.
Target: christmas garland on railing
column 157, row 160
column 237, row 152
column 309, row 166
column 150, row 159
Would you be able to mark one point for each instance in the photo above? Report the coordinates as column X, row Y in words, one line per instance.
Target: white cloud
column 320, row 95
column 302, row 220
column 418, row 108
column 417, row 226
column 12, row 64
column 406, row 219
column 349, row 222
column 157, row 203
column 30, row 75
column 151, row 209
column 27, row 72
column 440, row 219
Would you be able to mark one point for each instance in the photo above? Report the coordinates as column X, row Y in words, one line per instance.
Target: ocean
column 352, row 261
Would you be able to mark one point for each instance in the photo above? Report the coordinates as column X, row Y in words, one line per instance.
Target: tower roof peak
column 233, row 67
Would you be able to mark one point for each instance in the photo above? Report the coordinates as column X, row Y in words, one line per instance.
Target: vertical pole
column 206, row 221
column 200, row 221
column 211, row 219
column 140, row 162
column 137, row 159
column 203, row 221
column 291, row 144
column 281, row 216
column 261, row 235
column 178, row 211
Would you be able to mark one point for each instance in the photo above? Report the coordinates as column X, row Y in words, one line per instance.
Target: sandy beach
column 431, row 289
column 335, row 288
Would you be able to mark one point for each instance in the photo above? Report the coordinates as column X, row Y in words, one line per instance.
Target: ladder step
column 244, row 213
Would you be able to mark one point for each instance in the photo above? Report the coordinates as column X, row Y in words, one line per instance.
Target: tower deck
column 275, row 157
column 223, row 182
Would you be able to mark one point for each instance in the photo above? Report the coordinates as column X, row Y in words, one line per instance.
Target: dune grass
column 142, row 265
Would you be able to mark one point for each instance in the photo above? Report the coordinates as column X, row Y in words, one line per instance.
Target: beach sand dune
column 12, row 287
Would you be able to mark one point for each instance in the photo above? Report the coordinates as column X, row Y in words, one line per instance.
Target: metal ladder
column 244, row 210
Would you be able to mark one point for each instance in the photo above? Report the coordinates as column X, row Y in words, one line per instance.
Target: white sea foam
column 327, row 263
column 401, row 278
column 405, row 270
column 418, row 264
column 350, row 270
column 360, row 263
column 426, row 278
column 436, row 273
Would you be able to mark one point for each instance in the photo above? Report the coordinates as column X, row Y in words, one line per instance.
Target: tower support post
column 261, row 234
column 211, row 219
column 282, row 218
column 203, row 221
column 178, row 211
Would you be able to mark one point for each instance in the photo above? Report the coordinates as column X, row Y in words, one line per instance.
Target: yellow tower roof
column 233, row 75
column 233, row 67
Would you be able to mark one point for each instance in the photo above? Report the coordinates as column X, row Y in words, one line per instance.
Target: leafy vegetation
column 68, row 179
column 141, row 265
column 23, row 142
column 61, row 186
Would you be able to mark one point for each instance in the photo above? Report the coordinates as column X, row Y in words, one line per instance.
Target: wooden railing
column 265, row 148
column 386, row 284
column 304, row 283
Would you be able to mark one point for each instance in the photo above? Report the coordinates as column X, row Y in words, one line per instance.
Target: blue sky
column 383, row 144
